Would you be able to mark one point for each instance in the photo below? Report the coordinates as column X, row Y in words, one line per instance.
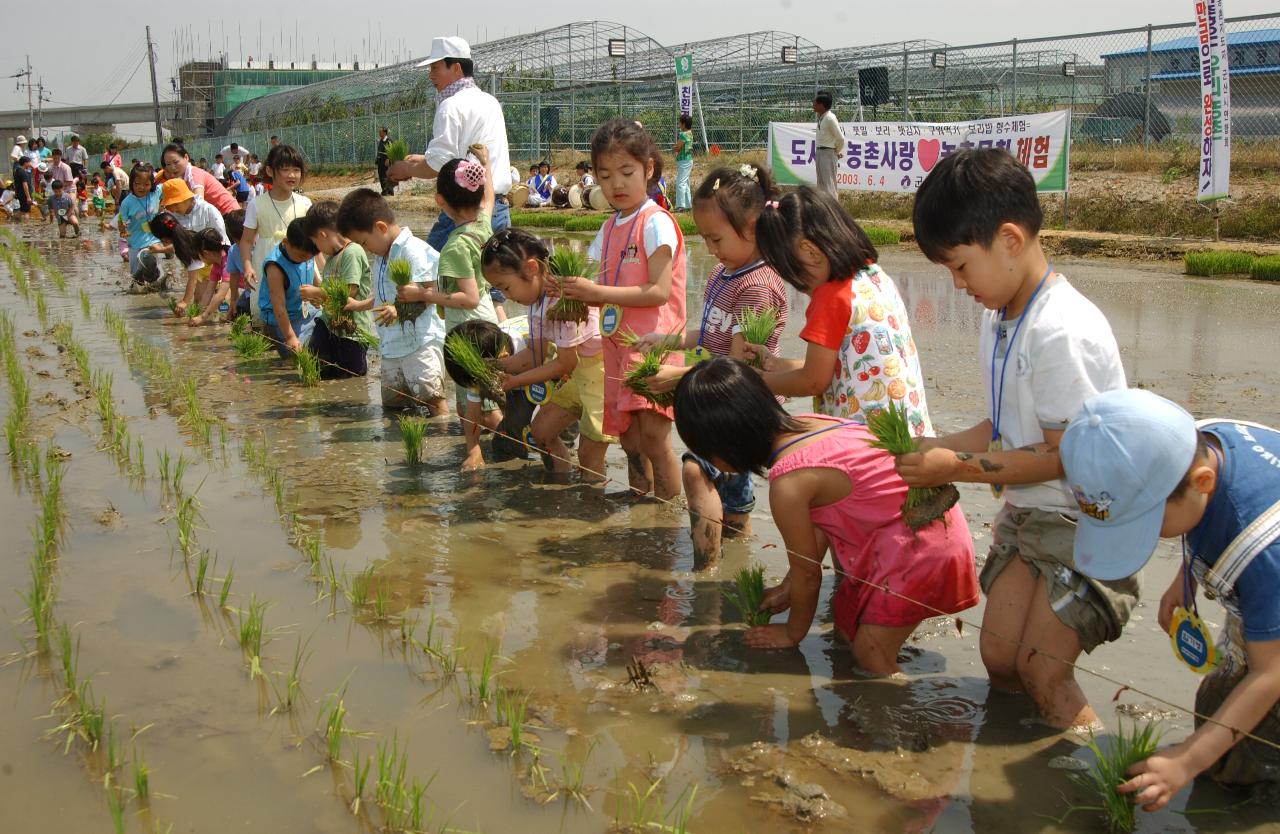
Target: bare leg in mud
column 708, row 522
column 654, row 433
column 1018, row 607
column 875, row 647
column 639, row 472
column 551, row 421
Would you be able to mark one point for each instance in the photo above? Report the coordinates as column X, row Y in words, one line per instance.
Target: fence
column 1137, row 85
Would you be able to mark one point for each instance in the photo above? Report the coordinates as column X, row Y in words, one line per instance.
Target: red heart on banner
column 927, row 151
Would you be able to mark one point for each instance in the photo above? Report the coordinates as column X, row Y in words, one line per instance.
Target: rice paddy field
column 232, row 603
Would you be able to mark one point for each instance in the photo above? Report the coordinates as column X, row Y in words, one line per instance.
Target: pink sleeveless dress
column 624, row 263
column 933, row 566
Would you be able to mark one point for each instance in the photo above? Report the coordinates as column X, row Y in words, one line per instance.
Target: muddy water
column 568, row 586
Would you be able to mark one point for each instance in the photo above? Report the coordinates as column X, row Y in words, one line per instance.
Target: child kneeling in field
column 1141, row 468
column 412, row 351
column 508, row 424
column 341, row 346
column 829, row 487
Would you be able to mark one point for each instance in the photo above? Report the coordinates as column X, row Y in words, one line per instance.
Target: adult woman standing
column 684, row 163
column 177, row 165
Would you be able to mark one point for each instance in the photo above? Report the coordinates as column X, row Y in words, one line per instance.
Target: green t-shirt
column 352, row 266
column 460, row 258
column 686, row 146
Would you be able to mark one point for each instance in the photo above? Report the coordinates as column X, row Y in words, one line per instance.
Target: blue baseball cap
column 1124, row 454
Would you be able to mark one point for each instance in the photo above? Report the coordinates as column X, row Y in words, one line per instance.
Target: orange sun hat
column 174, row 191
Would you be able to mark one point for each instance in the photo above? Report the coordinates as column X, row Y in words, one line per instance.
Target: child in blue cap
column 1142, row 468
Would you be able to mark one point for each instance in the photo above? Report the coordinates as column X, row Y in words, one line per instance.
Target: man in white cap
column 19, row 148
column 1142, row 468
column 465, row 116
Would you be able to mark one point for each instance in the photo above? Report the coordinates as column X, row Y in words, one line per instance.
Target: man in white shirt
column 830, row 142
column 19, row 148
column 465, row 116
column 77, row 157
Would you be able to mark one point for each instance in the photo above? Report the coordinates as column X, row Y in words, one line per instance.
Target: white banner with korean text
column 897, row 156
column 1215, row 92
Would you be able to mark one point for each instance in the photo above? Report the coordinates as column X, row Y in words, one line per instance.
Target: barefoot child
column 135, row 215
column 289, row 267
column 343, row 353
column 725, row 211
column 212, row 289
column 1142, row 468
column 195, row 215
column 412, row 358
column 1044, row 350
column 641, row 290
column 62, row 210
column 828, row 485
column 223, row 277
column 510, row 424
column 861, row 355
column 564, row 356
column 268, row 216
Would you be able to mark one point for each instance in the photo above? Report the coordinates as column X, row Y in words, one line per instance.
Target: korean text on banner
column 1215, row 92
column 684, row 83
column 897, row 156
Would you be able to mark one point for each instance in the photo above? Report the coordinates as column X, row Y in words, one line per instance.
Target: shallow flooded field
column 292, row 630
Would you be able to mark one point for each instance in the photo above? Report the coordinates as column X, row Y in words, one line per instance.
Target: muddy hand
column 778, row 598
column 772, row 636
column 385, row 316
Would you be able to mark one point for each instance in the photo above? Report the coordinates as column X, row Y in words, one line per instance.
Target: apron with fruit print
column 878, row 361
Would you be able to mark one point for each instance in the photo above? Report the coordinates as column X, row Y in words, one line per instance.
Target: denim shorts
column 737, row 494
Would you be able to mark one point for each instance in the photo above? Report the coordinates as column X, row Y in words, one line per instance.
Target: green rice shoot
column 747, row 594
column 308, row 368
column 1266, row 268
column 539, row 219
column 397, row 151
column 193, row 310
column 923, row 505
column 250, row 344
column 336, row 295
column 463, row 352
column 240, row 324
column 401, row 274
column 564, row 262
column 1217, row 263
column 413, row 428
column 585, row 223
column 637, row 379
column 880, row 236
column 757, row 327
column 1130, row 745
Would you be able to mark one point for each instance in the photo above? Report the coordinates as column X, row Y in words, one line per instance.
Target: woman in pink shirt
column 177, row 165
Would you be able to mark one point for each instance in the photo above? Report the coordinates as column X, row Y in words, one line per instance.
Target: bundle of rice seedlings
column 747, row 594
column 401, row 273
column 923, row 505
column 1109, row 770
column 193, row 310
column 539, row 219
column 412, row 429
column 880, row 236
column 585, row 223
column 308, row 368
column 172, row 304
column 466, row 355
column 250, row 344
column 336, row 296
column 566, row 262
column 397, row 150
column 240, row 324
column 637, row 379
column 757, row 327
column 1266, row 268
column 1217, row 263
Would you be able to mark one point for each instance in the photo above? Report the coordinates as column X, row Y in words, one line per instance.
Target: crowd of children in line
column 1061, row 577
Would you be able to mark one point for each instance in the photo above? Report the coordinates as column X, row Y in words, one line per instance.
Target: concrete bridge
column 92, row 118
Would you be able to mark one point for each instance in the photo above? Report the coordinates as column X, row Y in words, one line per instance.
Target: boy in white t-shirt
column 1044, row 349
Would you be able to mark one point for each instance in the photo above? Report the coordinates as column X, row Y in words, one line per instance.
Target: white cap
column 442, row 48
column 21, row 140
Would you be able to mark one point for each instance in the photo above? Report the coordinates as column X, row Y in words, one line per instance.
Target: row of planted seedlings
column 83, row 722
column 369, row 601
column 401, row 803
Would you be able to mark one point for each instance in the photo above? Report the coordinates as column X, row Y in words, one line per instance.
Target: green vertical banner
column 684, row 84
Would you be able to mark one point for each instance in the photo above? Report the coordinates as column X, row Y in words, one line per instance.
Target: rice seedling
column 193, row 310
column 360, row 778
column 292, row 692
column 112, row 757
column 757, row 327
column 240, row 324
column 746, row 595
column 1130, row 746
column 14, row 423
column 636, row 379
column 636, row 810
column 484, row 372
column 480, row 683
column 199, row 586
column 250, row 344
column 510, row 709
column 567, row 262
column 179, row 469
column 85, row 306
column 1266, row 268
column 185, row 520
column 1217, row 263
column 388, row 788
column 335, row 724
column 226, row 587
column 413, row 429
column 397, row 150
column 249, row 633
column 141, row 775
column 922, row 505
column 401, row 273
column 39, row 599
column 101, row 384
column 573, row 775
column 115, row 805
column 308, row 368
column 312, row 549
column 42, row 309
column 415, row 801
column 585, row 223
column 381, row 607
column 89, row 718
column 162, row 466
column 358, row 588
column 336, row 295
column 68, row 658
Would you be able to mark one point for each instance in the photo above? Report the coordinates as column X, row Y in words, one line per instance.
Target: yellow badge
column 996, row 445
column 1191, row 641
column 700, row 354
column 527, row 436
column 610, row 319
column 538, row 392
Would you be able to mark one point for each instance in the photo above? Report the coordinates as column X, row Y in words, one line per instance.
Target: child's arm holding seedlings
column 789, row 500
column 1158, row 779
column 562, row 365
column 210, row 312
column 963, row 457
column 793, row 377
column 518, row 362
column 275, row 289
column 653, row 294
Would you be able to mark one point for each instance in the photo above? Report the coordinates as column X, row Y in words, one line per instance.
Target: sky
column 105, row 61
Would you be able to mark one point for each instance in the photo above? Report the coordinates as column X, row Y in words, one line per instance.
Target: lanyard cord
column 277, row 208
column 840, row 424
column 997, row 400
column 726, row 278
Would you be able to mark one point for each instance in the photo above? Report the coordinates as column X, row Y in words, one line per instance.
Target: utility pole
column 31, row 116
column 155, row 94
